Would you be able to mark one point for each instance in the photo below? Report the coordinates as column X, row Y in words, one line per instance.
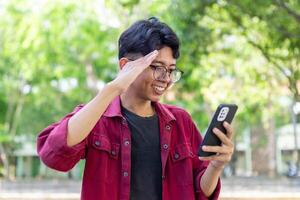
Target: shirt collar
column 163, row 111
column 114, row 108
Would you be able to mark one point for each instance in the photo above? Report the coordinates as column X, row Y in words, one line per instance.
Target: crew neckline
column 138, row 116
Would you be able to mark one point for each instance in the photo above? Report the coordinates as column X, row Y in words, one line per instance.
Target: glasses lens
column 175, row 75
column 160, row 73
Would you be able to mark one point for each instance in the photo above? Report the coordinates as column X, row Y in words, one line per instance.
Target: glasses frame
column 153, row 67
column 166, row 71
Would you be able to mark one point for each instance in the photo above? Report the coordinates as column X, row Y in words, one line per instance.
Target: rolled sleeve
column 52, row 145
column 58, row 141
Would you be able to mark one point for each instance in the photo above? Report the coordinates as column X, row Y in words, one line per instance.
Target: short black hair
column 145, row 36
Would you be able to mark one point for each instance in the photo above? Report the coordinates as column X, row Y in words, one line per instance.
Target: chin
column 155, row 98
column 152, row 96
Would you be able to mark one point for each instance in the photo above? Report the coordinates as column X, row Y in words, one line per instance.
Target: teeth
column 159, row 88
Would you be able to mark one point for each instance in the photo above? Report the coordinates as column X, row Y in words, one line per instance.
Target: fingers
column 130, row 70
column 222, row 136
column 224, row 152
column 150, row 56
column 147, row 58
column 218, row 149
column 229, row 130
column 143, row 62
column 225, row 158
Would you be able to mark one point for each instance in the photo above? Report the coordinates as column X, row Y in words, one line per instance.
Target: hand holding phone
column 224, row 112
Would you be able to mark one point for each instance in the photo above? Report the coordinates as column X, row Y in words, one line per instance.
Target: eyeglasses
column 160, row 72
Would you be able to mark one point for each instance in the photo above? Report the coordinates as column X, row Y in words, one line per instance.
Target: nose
column 166, row 77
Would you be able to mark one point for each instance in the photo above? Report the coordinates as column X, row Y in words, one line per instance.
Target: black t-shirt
column 146, row 169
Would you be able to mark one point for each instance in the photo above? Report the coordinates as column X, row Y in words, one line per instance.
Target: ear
column 122, row 62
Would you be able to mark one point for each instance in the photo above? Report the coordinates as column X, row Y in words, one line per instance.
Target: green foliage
column 241, row 52
column 232, row 51
column 43, row 59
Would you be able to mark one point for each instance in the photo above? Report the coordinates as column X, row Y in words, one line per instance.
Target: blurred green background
column 57, row 54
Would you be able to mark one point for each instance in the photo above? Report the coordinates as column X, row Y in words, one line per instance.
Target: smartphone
column 224, row 112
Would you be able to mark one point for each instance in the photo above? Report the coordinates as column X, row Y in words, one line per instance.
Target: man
column 136, row 148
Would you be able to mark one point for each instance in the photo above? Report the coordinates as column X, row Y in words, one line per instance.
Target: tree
column 50, row 59
column 237, row 43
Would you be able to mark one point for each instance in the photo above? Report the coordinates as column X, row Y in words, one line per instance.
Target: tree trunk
column 4, row 159
column 263, row 145
column 271, row 147
column 17, row 115
column 294, row 119
column 91, row 78
column 15, row 107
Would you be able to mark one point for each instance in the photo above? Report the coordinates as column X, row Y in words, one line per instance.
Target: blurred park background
column 57, row 54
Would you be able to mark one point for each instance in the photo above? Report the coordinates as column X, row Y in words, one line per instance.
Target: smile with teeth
column 161, row 89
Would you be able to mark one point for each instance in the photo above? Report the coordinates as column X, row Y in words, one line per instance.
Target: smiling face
column 145, row 87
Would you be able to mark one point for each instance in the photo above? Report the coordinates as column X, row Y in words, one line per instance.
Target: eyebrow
column 161, row 62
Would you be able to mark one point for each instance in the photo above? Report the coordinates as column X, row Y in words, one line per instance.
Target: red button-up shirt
column 107, row 151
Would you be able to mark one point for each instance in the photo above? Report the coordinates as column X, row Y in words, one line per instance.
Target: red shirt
column 107, row 151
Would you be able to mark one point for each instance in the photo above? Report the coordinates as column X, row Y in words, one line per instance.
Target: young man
column 136, row 148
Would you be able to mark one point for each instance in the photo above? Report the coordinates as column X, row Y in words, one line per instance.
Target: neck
column 136, row 105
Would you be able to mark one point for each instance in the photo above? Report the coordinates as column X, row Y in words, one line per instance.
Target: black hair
column 145, row 36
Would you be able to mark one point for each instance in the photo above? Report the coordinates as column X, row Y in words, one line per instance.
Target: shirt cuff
column 58, row 140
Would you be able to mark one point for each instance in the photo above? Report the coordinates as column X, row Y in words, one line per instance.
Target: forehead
column 165, row 56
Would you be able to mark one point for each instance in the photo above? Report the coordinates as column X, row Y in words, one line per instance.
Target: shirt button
column 97, row 143
column 168, row 127
column 165, row 146
column 176, row 156
column 124, row 121
column 126, row 143
column 125, row 174
column 163, row 177
column 113, row 152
